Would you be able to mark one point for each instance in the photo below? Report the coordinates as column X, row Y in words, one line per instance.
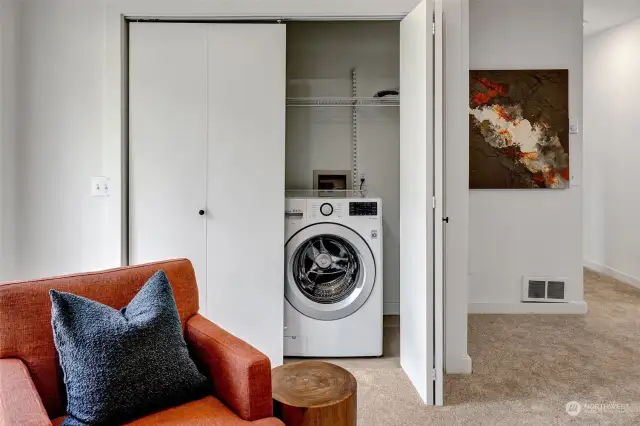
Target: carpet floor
column 526, row 368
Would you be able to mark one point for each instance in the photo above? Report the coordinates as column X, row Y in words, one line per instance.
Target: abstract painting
column 519, row 129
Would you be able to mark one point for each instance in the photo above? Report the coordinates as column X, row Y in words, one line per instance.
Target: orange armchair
column 32, row 391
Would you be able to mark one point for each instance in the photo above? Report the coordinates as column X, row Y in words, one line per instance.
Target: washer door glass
column 330, row 271
column 326, row 268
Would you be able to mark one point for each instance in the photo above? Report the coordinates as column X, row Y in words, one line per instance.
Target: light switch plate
column 100, row 186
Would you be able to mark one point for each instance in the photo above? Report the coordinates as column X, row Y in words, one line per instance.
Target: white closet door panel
column 416, row 203
column 168, row 136
column 247, row 98
column 438, row 187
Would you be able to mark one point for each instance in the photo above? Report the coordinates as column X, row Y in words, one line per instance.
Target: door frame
column 116, row 125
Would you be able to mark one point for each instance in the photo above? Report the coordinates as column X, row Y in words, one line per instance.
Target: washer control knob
column 326, row 209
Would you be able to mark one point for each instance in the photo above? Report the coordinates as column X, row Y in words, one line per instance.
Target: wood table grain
column 313, row 393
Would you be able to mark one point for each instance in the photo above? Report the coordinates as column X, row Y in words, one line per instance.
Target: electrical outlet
column 362, row 176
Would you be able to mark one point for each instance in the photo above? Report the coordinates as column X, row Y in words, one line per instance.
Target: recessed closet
column 224, row 116
column 331, row 65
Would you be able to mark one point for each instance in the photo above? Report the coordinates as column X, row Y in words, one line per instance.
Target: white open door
column 438, row 185
column 421, row 182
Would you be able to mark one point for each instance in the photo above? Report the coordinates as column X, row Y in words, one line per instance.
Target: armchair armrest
column 20, row 404
column 241, row 374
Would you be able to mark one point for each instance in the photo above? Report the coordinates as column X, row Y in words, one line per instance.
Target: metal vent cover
column 555, row 290
column 550, row 290
column 537, row 289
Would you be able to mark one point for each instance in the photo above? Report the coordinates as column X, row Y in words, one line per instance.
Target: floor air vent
column 543, row 290
column 555, row 290
column 537, row 290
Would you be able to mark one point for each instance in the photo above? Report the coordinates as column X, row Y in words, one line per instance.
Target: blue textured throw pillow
column 120, row 365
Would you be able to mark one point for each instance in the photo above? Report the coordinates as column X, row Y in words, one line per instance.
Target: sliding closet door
column 168, row 145
column 245, row 202
column 207, row 124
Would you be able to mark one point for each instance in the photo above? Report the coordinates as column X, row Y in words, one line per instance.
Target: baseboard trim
column 391, row 308
column 461, row 365
column 528, row 308
column 613, row 273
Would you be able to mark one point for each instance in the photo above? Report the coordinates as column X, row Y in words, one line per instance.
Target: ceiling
column 604, row 14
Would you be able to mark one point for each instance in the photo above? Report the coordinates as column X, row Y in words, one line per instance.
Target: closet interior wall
column 320, row 57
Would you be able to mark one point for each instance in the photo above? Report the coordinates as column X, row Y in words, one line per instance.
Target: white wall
column 516, row 233
column 612, row 201
column 8, row 207
column 60, row 117
column 320, row 59
column 70, row 127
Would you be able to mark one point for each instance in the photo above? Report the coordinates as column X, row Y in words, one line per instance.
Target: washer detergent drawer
column 295, row 345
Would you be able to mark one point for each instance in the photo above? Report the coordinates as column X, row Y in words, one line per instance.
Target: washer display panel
column 330, row 271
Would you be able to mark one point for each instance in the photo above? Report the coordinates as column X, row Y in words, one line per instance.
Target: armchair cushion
column 207, row 411
column 120, row 365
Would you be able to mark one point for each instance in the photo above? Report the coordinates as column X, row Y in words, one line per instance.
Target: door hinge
column 434, row 202
column 434, row 27
column 434, row 374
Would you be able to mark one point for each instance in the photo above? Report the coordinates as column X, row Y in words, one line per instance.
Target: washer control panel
column 309, row 210
column 320, row 209
column 363, row 208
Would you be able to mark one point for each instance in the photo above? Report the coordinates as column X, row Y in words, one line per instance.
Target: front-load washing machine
column 333, row 274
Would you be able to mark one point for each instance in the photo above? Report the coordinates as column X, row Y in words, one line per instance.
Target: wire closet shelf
column 386, row 101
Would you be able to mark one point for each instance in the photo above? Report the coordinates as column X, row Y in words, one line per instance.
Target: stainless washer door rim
column 364, row 287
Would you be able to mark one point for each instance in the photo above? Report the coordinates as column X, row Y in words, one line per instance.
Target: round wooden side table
column 314, row 393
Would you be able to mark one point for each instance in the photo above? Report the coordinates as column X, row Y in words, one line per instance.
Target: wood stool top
column 312, row 384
